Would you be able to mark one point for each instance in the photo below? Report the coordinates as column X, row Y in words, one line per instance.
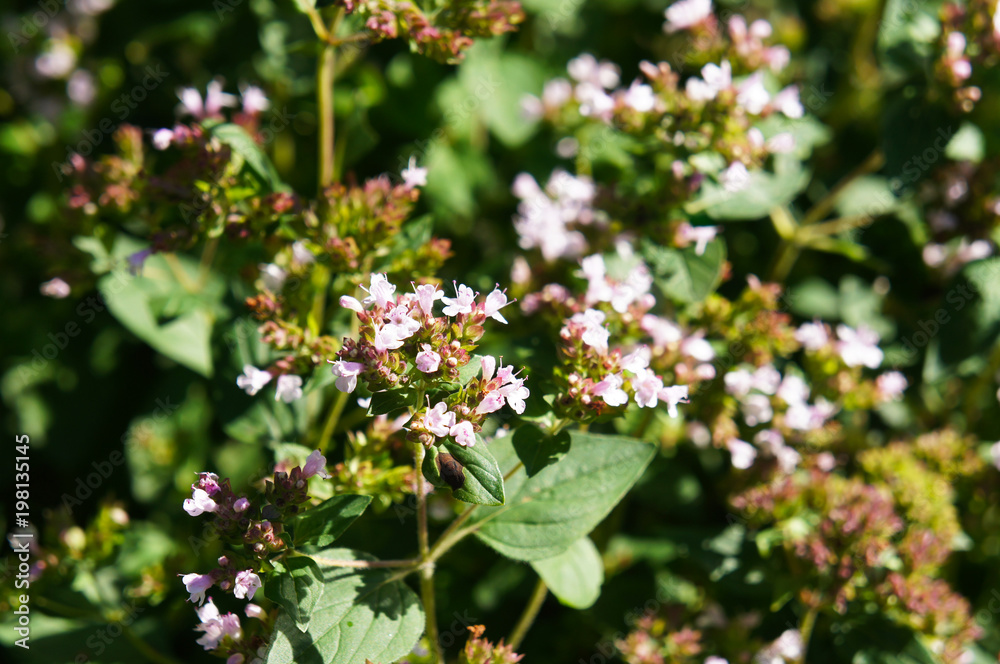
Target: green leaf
column 480, row 476
column 297, row 590
column 388, row 402
column 360, row 615
column 575, row 575
column 968, row 144
column 243, row 146
column 683, row 275
column 324, row 523
column 536, row 449
column 470, row 370
column 763, row 192
column 565, row 501
column 161, row 311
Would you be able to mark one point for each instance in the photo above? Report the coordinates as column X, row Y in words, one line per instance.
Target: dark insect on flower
column 451, row 471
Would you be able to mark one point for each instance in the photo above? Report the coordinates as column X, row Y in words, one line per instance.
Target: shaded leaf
column 563, row 502
column 536, row 449
column 323, row 524
column 575, row 575
column 360, row 615
column 297, row 589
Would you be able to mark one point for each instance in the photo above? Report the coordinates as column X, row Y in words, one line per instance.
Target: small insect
column 451, row 471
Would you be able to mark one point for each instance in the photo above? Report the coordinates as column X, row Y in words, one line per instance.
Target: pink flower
column 686, row 14
column 492, row 402
column 289, row 388
column 859, row 347
column 515, row 393
column 414, row 176
column 595, row 334
column 254, row 100
column 388, row 338
column 787, row 101
column 697, row 348
column 891, row 385
column 462, row 303
column 428, row 361
column 639, row 97
column 489, row 365
column 757, row 410
column 766, row 379
column 252, row 379
column 241, row 504
column 673, row 395
column 496, row 301
column 199, row 503
column 427, row 294
column 315, row 465
column 215, row 101
column 735, row 178
column 351, row 303
column 743, row 453
column 439, row 420
column 254, row 611
column 699, row 235
column 347, row 374
column 738, row 382
column 379, row 291
column 463, row 433
column 247, row 584
column 812, row 336
column 162, row 138
column 637, row 360
column 55, row 288
column 197, row 584
column 610, row 390
column 752, row 94
column 647, row 388
column 216, row 627
column 406, row 326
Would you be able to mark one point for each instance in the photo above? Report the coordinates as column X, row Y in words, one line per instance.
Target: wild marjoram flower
column 401, row 343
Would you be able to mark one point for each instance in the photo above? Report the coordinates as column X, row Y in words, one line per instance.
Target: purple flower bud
column 241, row 505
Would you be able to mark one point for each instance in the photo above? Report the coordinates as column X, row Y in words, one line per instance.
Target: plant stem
column 324, row 96
column 366, row 564
column 805, row 631
column 149, row 651
column 207, row 256
column 331, row 421
column 529, row 615
column 825, row 204
column 430, row 611
column 427, row 569
column 838, row 225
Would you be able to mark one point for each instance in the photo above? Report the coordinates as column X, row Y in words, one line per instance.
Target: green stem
column 874, row 162
column 838, row 225
column 364, row 564
column 529, row 615
column 331, row 421
column 149, row 651
column 784, row 259
column 324, row 97
column 805, row 631
column 207, row 256
column 427, row 568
